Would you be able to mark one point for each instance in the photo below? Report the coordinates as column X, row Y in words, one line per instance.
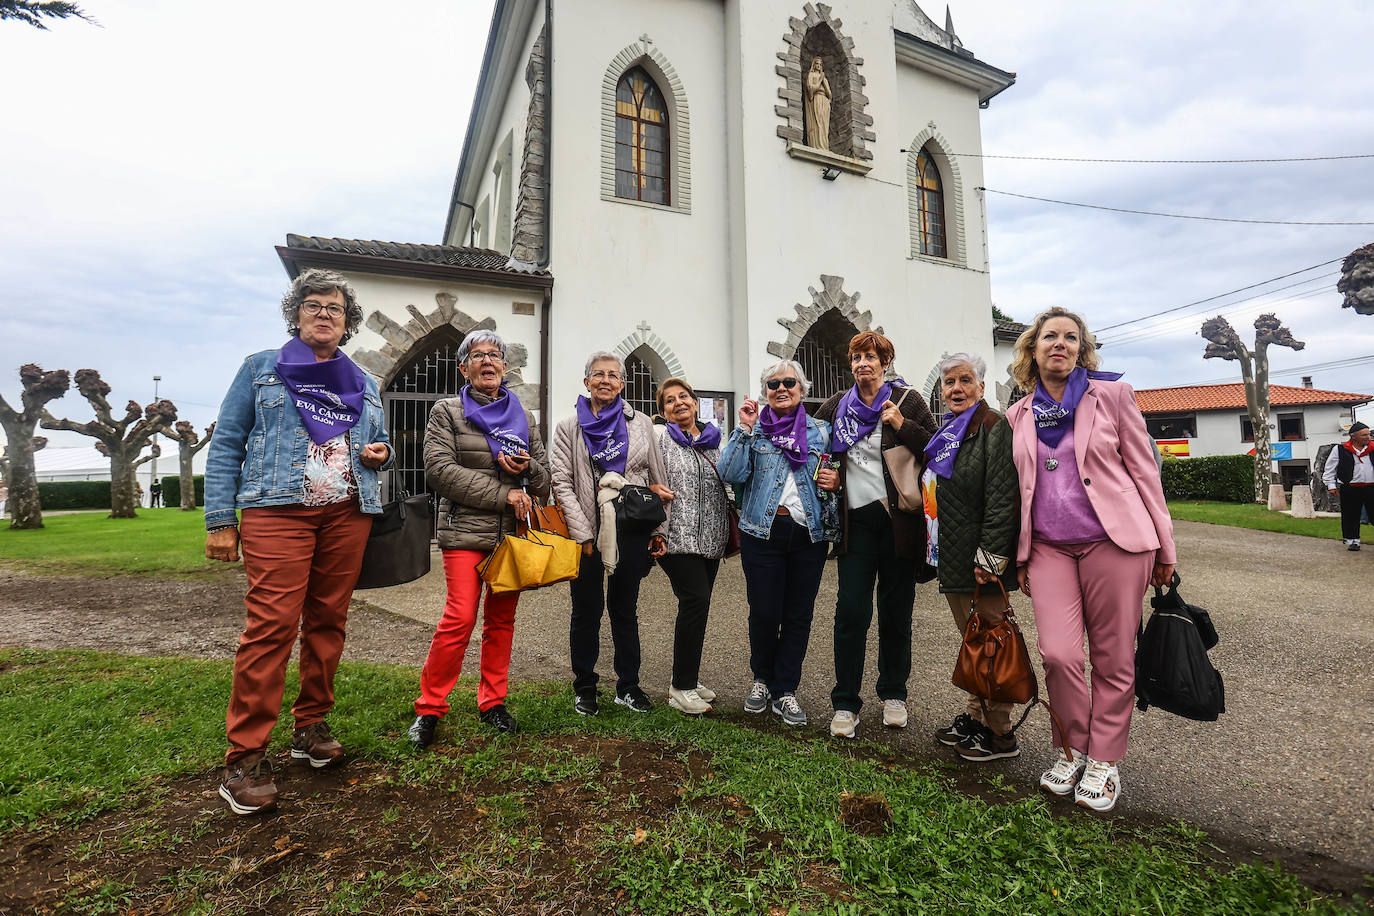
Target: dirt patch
column 866, row 815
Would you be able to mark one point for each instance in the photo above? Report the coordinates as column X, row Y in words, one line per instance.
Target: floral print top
column 329, row 473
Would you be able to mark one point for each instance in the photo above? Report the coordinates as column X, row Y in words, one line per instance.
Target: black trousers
column 782, row 574
column 1354, row 500
column 692, row 577
column 594, row 592
column 871, row 560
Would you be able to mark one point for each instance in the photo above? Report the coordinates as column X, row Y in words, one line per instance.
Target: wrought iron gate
column 431, row 376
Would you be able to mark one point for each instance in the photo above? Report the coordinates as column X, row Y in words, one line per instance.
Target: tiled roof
column 452, row 255
column 1005, row 329
column 1232, row 397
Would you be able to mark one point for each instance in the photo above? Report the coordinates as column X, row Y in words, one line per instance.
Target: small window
column 932, row 199
column 641, row 139
column 1179, row 426
column 1247, row 430
column 1290, row 427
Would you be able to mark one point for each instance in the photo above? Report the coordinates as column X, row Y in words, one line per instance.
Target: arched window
column 641, row 139
column 639, row 385
column 932, row 203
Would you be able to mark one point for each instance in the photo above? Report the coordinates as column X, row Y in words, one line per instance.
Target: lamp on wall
column 830, row 173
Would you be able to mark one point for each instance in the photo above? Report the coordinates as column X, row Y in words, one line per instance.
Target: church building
column 701, row 186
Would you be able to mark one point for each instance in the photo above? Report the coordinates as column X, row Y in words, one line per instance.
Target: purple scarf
column 502, row 422
column 943, row 447
column 1054, row 418
column 854, row 419
column 787, row 433
column 709, row 438
column 328, row 395
column 607, row 436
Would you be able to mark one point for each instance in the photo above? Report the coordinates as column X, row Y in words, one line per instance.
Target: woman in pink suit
column 1095, row 533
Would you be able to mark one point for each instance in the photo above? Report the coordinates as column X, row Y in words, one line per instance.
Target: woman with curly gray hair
column 297, row 446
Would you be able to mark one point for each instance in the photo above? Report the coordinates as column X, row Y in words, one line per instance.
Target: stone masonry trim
column 644, row 54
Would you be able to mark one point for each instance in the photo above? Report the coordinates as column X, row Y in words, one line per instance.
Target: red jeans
column 445, row 660
column 302, row 563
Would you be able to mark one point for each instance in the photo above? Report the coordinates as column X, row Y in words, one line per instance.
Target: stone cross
column 643, row 326
column 646, row 39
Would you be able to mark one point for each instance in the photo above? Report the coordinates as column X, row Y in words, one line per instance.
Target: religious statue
column 817, row 107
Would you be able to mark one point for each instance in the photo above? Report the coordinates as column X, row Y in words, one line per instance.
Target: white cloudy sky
column 147, row 169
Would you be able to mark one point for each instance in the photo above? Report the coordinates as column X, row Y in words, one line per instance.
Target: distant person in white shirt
column 1350, row 466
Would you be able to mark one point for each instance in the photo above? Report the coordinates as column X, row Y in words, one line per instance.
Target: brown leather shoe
column 316, row 744
column 248, row 786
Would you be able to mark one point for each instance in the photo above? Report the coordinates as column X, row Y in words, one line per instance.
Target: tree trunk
column 23, row 505
column 122, row 501
column 1264, row 463
column 1259, row 423
column 188, row 481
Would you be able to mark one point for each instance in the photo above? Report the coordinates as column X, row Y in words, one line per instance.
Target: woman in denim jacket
column 297, row 446
column 785, row 523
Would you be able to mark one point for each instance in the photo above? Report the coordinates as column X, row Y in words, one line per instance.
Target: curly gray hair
column 482, row 336
column 972, row 360
column 599, row 356
column 784, row 366
column 319, row 280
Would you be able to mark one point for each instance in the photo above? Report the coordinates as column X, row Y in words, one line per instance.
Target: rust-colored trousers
column 302, row 563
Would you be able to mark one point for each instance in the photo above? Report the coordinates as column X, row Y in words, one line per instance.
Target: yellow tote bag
column 566, row 561
column 516, row 564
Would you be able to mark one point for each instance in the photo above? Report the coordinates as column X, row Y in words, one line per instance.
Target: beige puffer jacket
column 460, row 468
column 574, row 481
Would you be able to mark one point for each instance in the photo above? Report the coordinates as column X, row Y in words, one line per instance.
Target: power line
column 1348, row 363
column 1143, row 333
column 1166, row 161
column 1219, row 295
column 1184, row 324
column 1210, row 219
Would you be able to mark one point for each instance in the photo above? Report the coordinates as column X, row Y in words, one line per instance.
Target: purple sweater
column 1060, row 511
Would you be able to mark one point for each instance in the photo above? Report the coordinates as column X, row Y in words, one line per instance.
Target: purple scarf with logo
column 607, row 436
column 1054, row 418
column 943, row 447
column 787, row 433
column 709, row 438
column 854, row 419
column 328, row 395
column 502, row 422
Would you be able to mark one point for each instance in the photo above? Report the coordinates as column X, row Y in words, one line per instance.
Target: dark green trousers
column 871, row 561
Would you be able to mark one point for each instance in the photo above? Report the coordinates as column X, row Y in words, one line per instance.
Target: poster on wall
column 717, row 407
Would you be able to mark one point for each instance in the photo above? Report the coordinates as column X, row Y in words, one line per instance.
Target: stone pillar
column 1277, row 501
column 1302, row 503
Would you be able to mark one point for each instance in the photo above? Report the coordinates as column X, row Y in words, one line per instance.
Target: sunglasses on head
column 788, row 383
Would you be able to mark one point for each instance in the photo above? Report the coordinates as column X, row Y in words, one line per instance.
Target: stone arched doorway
column 824, row 357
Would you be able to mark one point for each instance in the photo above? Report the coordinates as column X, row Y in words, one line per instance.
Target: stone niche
column 818, row 34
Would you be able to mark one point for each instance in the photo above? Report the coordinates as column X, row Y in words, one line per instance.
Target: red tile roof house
column 1212, row 420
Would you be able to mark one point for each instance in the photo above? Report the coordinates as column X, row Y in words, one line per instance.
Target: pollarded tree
column 188, row 443
column 119, row 440
column 33, row 12
column 1357, row 280
column 38, row 388
column 1225, row 343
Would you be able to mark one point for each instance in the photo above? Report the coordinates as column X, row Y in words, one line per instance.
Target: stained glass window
column 932, row 206
column 641, row 139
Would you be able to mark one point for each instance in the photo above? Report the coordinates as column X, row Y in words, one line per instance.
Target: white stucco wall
column 1219, row 431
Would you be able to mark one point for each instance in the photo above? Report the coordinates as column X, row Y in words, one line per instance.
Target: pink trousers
column 450, row 643
column 1093, row 589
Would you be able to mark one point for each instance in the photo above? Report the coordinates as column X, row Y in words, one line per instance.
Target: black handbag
column 398, row 549
column 638, row 510
column 1172, row 670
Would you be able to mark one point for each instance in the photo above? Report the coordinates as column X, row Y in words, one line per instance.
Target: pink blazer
column 1116, row 458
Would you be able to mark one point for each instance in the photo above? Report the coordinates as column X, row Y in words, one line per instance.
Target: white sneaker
column 690, row 702
column 1063, row 776
column 1099, row 788
column 706, row 693
column 843, row 724
column 894, row 713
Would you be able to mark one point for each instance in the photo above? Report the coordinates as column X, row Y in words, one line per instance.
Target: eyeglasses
column 600, row 375
column 311, row 307
column 485, row 356
column 788, row 383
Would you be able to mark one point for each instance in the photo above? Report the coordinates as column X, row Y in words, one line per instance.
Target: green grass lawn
column 755, row 826
column 1252, row 515
column 158, row 542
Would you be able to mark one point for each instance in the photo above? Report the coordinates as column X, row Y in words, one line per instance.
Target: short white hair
column 963, row 359
column 779, row 366
column 599, row 356
column 482, row 336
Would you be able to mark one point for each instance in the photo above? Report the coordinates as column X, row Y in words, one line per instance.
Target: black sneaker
column 497, row 717
column 635, row 699
column 585, row 704
column 985, row 744
column 421, row 732
column 1354, row 545
column 956, row 731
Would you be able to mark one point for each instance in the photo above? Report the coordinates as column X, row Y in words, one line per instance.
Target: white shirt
column 1364, row 467
column 791, row 499
column 863, row 474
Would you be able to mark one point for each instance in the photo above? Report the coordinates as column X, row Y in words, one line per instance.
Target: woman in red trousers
column 1094, row 534
column 483, row 457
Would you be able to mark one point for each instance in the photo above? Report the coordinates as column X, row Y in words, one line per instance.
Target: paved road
column 1287, row 765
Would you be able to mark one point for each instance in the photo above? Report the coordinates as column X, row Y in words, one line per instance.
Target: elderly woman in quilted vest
column 968, row 488
column 606, row 445
column 483, row 456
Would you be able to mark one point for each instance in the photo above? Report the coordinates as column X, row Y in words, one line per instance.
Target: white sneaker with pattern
column 1100, row 786
column 843, row 724
column 1063, row 775
column 894, row 713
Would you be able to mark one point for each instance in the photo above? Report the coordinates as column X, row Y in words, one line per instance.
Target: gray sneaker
column 789, row 709
column 757, row 700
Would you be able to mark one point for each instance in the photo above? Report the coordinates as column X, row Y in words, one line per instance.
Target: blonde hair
column 1023, row 369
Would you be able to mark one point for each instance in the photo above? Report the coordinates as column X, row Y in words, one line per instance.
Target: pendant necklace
column 1052, row 462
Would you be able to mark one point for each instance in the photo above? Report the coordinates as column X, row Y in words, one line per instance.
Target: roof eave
column 987, row 80
column 293, row 259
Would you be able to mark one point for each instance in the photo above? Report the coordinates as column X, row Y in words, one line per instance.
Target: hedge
column 171, row 490
column 1224, row 478
column 74, row 494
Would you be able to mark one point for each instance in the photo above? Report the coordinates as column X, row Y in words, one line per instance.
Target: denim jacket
column 257, row 453
column 751, row 459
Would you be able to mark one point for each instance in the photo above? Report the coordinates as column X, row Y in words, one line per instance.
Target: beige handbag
column 904, row 467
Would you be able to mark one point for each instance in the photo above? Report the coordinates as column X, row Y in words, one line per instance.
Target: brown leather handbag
column 548, row 518
column 994, row 665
